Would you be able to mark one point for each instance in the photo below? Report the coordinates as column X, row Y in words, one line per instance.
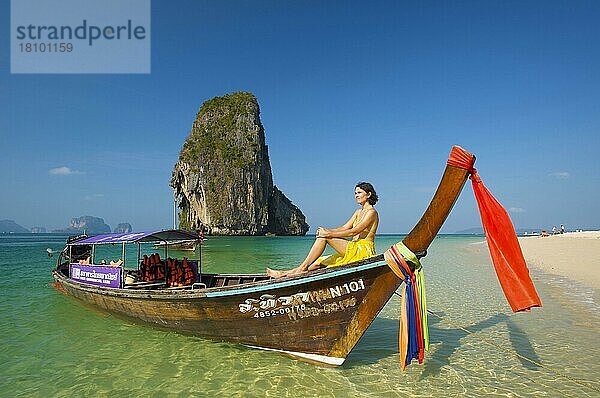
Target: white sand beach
column 575, row 255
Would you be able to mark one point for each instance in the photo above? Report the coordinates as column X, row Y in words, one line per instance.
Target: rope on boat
column 501, row 348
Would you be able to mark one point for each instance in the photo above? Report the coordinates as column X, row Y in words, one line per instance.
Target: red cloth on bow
column 503, row 244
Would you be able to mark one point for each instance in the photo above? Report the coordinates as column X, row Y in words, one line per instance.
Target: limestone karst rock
column 86, row 224
column 223, row 176
column 123, row 228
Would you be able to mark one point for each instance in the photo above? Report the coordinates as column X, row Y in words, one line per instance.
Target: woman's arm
column 347, row 229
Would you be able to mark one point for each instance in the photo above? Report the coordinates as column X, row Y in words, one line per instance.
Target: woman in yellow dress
column 361, row 228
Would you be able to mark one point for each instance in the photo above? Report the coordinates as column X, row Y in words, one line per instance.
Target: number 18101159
column 46, row 47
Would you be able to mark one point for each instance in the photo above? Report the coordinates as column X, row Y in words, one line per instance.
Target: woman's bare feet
column 290, row 272
column 315, row 266
column 296, row 271
column 276, row 274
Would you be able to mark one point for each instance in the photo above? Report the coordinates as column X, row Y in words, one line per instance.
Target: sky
column 348, row 91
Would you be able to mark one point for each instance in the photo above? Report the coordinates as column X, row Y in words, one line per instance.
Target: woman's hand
column 323, row 233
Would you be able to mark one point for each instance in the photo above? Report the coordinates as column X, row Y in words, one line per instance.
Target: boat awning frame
column 139, row 237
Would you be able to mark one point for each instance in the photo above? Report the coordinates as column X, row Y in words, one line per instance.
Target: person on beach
column 361, row 228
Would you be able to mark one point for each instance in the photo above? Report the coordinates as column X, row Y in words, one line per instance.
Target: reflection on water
column 52, row 345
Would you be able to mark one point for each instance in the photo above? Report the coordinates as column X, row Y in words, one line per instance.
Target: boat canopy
column 139, row 237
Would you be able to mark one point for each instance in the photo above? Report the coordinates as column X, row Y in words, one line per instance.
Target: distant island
column 10, row 226
column 91, row 225
column 123, row 228
column 85, row 224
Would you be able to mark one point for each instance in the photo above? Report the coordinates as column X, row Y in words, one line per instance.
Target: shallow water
column 54, row 346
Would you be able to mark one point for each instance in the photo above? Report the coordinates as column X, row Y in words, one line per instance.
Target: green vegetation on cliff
column 220, row 117
column 184, row 222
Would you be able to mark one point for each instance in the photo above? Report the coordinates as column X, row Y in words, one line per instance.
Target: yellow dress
column 356, row 251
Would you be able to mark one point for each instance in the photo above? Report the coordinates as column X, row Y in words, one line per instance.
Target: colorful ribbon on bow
column 413, row 336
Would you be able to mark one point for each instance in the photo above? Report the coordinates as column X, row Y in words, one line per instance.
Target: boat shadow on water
column 451, row 339
column 381, row 341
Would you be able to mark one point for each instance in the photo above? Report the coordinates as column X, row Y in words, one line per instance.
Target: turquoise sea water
column 54, row 346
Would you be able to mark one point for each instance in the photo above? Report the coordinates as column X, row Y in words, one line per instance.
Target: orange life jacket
column 188, row 273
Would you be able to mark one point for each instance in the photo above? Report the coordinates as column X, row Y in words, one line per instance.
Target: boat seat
column 179, row 287
column 144, row 285
column 232, row 281
column 219, row 282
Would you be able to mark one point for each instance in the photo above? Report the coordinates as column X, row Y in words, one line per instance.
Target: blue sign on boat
column 96, row 275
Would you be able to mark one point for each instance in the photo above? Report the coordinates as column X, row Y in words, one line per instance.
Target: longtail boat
column 316, row 317
column 183, row 246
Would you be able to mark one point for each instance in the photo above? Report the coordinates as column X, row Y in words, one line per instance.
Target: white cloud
column 561, row 175
column 516, row 210
column 63, row 171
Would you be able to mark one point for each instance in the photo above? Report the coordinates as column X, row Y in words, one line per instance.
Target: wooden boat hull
column 317, row 318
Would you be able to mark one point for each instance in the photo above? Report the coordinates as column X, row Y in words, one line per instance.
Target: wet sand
column 575, row 255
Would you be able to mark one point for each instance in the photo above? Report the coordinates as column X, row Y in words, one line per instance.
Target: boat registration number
column 280, row 311
column 298, row 305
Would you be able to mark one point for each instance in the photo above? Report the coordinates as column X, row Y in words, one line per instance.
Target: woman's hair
column 368, row 188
